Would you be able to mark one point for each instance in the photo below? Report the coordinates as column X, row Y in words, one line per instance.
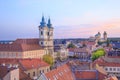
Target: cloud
column 86, row 30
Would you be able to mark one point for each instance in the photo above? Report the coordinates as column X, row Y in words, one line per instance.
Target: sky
column 70, row 18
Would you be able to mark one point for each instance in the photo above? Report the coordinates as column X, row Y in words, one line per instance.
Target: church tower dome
column 43, row 23
column 49, row 23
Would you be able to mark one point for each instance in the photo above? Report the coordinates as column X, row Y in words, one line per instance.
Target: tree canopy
column 48, row 58
column 71, row 45
column 98, row 53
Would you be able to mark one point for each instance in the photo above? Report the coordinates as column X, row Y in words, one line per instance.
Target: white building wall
column 12, row 75
column 113, row 70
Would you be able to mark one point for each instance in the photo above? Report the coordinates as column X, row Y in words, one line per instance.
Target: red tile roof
column 91, row 43
column 23, row 76
column 25, row 64
column 27, row 41
column 9, row 61
column 88, row 42
column 21, row 45
column 78, row 50
column 102, row 62
column 4, row 71
column 89, row 75
column 85, row 75
column 32, row 63
column 60, row 73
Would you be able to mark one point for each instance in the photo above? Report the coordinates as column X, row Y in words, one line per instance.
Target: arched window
column 48, row 33
column 33, row 73
column 41, row 32
column 28, row 74
column 41, row 43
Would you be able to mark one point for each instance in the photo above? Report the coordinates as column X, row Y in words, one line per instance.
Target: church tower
column 46, row 36
column 105, row 35
column 99, row 35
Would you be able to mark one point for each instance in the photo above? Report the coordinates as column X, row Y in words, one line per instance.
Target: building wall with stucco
column 23, row 55
column 12, row 75
column 37, row 71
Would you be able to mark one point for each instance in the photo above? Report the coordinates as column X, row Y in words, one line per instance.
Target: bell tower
column 46, row 36
column 105, row 35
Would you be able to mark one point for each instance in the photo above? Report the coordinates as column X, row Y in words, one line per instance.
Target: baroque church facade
column 46, row 36
column 31, row 47
column 98, row 37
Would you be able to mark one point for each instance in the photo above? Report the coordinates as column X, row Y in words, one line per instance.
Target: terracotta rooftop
column 82, row 75
column 23, row 76
column 25, row 64
column 78, row 50
column 4, row 71
column 91, row 43
column 88, row 42
column 21, row 45
column 89, row 75
column 102, row 62
column 9, row 61
column 60, row 73
column 32, row 63
column 27, row 41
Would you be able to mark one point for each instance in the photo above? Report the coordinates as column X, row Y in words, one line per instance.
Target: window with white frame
column 110, row 69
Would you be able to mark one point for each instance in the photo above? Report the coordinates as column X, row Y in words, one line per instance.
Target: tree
column 98, row 53
column 71, row 45
column 48, row 58
column 58, row 55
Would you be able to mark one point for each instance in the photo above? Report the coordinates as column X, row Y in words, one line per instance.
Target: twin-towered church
column 31, row 47
column 46, row 35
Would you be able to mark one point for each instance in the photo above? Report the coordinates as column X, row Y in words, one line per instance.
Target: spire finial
column 43, row 23
column 49, row 22
column 43, row 17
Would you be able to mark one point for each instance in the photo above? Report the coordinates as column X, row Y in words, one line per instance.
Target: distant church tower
column 105, row 35
column 99, row 35
column 46, row 36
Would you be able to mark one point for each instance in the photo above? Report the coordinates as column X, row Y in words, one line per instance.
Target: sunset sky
column 70, row 18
